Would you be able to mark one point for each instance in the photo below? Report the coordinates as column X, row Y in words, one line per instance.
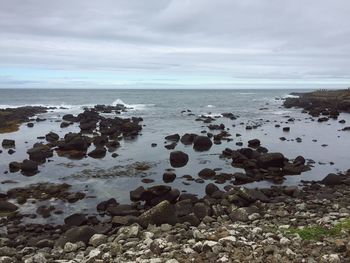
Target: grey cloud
column 229, row 39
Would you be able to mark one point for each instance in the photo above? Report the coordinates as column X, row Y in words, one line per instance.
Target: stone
column 332, row 179
column 211, row 188
column 267, row 160
column 7, row 208
column 169, row 177
column 98, row 239
column 75, row 220
column 76, row 234
column 178, row 159
column 7, row 143
column 163, row 212
column 202, row 143
column 206, row 173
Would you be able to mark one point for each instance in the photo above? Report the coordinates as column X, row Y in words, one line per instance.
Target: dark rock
column 286, row 129
column 162, row 213
column 6, row 143
column 136, row 195
column 173, row 137
column 332, row 179
column 211, row 188
column 105, row 204
column 7, row 208
column 30, row 125
column 52, row 137
column 189, row 218
column 171, row 146
column 241, row 178
column 271, row 160
column 188, row 138
column 169, row 177
column 76, row 234
column 202, row 143
column 29, row 167
column 11, row 151
column 75, row 220
column 184, row 207
column 206, row 173
column 178, row 159
column 97, row 153
column 201, row 210
column 254, row 143
column 122, row 210
column 300, row 160
column 14, row 167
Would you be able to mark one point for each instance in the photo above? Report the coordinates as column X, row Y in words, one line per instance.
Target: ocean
column 162, row 113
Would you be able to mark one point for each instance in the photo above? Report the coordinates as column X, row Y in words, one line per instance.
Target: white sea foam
column 132, row 106
column 290, row 96
column 210, row 106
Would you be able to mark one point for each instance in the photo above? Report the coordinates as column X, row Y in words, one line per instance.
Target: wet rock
column 29, row 167
column 178, row 159
column 173, row 137
column 254, row 143
column 286, row 129
column 76, row 234
column 271, row 160
column 7, row 208
column 14, row 167
column 105, row 204
column 188, row 138
column 122, row 210
column 162, row 213
column 7, row 143
column 211, row 188
column 202, row 143
column 169, row 177
column 75, row 220
column 332, row 179
column 52, row 137
column 98, row 153
column 207, row 173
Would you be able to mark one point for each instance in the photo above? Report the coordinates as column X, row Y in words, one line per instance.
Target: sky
column 175, row 44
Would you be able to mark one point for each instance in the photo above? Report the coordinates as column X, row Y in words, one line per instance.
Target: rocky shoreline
column 277, row 224
column 305, row 223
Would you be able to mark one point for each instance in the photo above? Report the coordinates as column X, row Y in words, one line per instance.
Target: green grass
column 319, row 232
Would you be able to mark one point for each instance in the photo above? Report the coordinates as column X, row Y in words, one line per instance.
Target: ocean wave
column 132, row 106
column 290, row 96
column 246, row 93
column 210, row 106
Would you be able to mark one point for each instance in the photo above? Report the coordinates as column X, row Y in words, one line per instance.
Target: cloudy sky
column 174, row 43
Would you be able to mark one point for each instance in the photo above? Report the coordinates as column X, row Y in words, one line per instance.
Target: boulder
column 271, row 160
column 76, row 234
column 211, row 188
column 178, row 159
column 29, row 167
column 169, row 177
column 7, row 143
column 254, row 143
column 14, row 167
column 188, row 138
column 332, row 179
column 52, row 137
column 162, row 213
column 7, row 208
column 75, row 220
column 173, row 137
column 202, row 143
column 98, row 153
column 206, row 173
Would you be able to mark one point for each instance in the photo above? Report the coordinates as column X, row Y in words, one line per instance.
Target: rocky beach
column 205, row 183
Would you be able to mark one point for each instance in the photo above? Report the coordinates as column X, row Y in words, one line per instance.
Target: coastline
column 239, row 217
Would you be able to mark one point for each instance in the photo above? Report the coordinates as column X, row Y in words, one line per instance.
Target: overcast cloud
column 165, row 43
